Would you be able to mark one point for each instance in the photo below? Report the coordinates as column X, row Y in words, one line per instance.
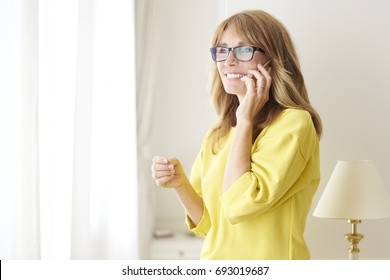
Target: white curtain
column 147, row 39
column 68, row 146
column 19, row 196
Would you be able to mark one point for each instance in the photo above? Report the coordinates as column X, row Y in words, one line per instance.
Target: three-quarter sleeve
column 279, row 156
column 204, row 224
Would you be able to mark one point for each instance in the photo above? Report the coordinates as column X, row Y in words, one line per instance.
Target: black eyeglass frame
column 213, row 52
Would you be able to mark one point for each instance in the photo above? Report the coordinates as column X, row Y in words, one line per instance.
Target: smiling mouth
column 234, row 75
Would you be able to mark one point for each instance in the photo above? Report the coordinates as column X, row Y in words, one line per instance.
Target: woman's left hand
column 258, row 83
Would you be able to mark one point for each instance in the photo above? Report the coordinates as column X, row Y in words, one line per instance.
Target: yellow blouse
column 263, row 214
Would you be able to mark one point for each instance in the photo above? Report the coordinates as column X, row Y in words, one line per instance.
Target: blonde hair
column 288, row 89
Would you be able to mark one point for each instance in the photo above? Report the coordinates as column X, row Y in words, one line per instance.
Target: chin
column 235, row 91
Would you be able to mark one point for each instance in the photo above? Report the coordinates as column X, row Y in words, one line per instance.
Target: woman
column 254, row 178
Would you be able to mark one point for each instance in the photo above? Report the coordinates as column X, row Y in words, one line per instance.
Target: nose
column 230, row 60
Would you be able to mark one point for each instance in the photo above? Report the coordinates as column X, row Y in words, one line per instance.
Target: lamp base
column 354, row 239
column 353, row 255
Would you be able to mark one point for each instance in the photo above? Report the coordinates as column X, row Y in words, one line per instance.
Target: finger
column 249, row 82
column 264, row 71
column 173, row 161
column 161, row 167
column 160, row 160
column 162, row 174
column 259, row 79
column 164, row 181
column 260, row 84
column 262, row 77
column 161, row 163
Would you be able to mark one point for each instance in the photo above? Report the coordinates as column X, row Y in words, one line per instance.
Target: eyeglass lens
column 242, row 53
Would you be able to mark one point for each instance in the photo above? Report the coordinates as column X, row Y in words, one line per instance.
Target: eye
column 245, row 50
column 221, row 50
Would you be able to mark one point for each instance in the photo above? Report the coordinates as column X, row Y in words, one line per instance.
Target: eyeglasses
column 241, row 53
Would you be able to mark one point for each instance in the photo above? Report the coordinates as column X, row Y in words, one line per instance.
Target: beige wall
column 343, row 46
column 183, row 112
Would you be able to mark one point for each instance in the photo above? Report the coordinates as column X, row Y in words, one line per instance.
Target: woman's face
column 232, row 70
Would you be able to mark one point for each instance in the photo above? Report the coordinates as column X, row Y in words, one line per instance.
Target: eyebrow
column 239, row 44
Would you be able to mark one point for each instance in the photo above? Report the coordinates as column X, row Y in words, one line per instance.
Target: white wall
column 343, row 46
column 183, row 112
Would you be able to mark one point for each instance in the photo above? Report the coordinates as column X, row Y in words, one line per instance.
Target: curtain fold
column 81, row 236
column 147, row 38
column 28, row 232
column 19, row 189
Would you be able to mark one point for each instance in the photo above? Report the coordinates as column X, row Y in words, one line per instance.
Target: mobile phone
column 267, row 63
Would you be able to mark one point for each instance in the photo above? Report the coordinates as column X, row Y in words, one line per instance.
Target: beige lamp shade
column 354, row 191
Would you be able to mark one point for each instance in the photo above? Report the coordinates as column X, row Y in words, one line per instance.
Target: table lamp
column 354, row 192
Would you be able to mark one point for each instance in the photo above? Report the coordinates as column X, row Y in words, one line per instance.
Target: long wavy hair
column 288, row 89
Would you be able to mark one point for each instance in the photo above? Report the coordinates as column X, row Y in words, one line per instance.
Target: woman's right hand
column 168, row 172
column 258, row 84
